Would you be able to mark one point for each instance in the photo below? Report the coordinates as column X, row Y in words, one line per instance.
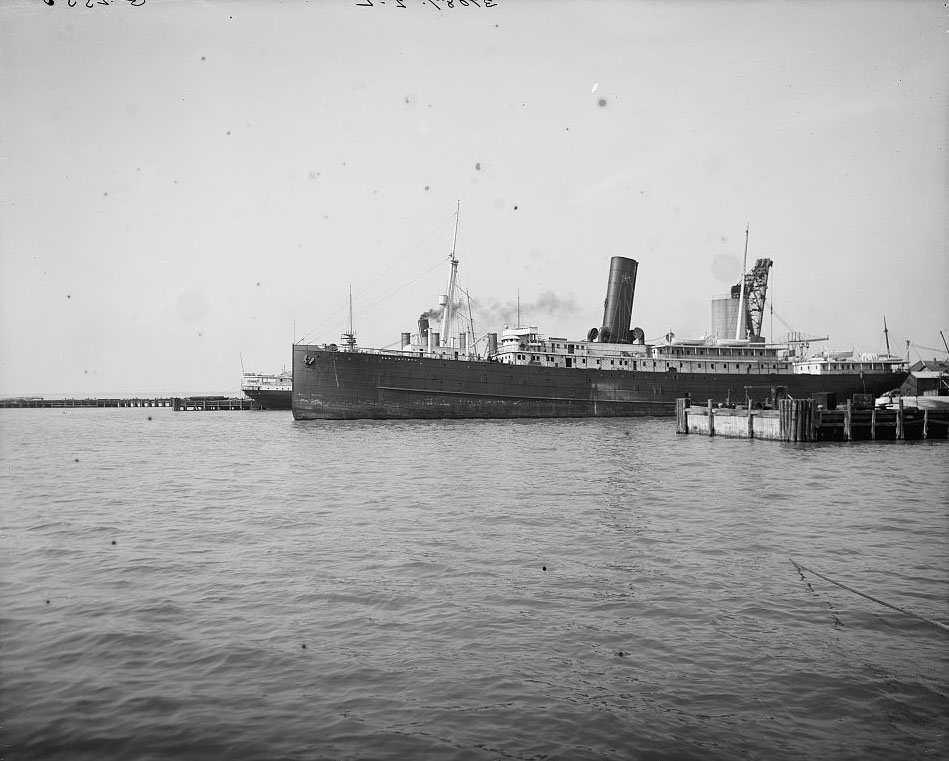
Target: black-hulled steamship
column 614, row 372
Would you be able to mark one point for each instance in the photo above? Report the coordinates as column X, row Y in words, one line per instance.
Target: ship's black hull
column 271, row 400
column 365, row 385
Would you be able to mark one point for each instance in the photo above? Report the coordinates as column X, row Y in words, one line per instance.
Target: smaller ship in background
column 271, row 392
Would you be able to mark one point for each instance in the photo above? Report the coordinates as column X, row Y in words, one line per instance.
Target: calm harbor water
column 236, row 585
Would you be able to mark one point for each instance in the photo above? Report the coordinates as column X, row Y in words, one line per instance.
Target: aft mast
column 741, row 296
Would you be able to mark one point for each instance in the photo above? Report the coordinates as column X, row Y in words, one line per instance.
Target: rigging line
column 391, row 292
column 322, row 325
column 331, row 318
column 399, row 261
column 929, row 348
column 800, row 568
column 781, row 319
column 426, row 239
column 467, row 295
column 385, row 296
column 340, row 311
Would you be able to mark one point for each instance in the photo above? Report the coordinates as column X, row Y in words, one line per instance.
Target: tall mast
column 450, row 297
column 741, row 293
column 886, row 335
column 350, row 338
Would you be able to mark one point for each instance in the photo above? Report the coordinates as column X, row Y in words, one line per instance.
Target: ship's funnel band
column 618, row 307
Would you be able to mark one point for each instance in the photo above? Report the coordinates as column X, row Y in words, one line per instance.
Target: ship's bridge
column 521, row 337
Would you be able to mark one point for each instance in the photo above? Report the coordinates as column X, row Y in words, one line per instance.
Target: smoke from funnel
column 546, row 304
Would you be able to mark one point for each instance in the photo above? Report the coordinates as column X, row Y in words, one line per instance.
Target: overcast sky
column 187, row 185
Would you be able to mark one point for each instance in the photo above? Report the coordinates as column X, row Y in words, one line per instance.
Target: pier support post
column 873, row 424
column 926, row 424
column 900, row 431
column 848, row 421
column 682, row 415
column 711, row 419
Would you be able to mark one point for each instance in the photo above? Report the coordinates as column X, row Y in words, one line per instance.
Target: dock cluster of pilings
column 805, row 420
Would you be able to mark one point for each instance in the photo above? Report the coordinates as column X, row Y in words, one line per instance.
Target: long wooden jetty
column 214, row 404
column 176, row 403
column 806, row 420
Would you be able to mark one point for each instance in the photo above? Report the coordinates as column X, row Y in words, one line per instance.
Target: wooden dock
column 178, row 404
column 805, row 420
column 214, row 404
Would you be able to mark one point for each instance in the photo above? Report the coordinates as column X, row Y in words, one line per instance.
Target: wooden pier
column 806, row 420
column 178, row 404
column 214, row 404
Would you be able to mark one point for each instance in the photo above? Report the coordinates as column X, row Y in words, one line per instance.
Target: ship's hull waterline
column 333, row 385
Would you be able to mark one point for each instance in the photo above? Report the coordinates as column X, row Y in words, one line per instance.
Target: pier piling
column 801, row 420
column 682, row 417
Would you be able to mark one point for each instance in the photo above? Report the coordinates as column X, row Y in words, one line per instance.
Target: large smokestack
column 618, row 307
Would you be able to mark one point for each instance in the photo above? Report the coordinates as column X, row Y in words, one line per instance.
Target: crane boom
column 756, row 287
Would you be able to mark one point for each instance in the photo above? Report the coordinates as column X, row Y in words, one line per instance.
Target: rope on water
column 801, row 568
